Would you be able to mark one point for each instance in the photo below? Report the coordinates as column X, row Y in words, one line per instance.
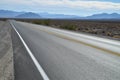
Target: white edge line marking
column 40, row 69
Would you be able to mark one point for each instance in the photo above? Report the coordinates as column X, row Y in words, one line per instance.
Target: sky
column 69, row 7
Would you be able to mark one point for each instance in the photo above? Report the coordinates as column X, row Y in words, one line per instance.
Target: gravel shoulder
column 6, row 52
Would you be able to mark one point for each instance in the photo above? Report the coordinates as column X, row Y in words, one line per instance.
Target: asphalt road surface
column 65, row 55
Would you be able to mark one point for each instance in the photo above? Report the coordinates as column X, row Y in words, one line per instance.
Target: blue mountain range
column 15, row 14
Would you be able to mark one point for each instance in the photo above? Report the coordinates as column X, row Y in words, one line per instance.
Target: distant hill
column 104, row 16
column 15, row 14
column 60, row 16
column 9, row 14
column 28, row 15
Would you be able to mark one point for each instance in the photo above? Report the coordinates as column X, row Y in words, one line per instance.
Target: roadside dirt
column 6, row 52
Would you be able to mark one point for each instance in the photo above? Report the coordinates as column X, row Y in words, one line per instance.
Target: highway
column 66, row 55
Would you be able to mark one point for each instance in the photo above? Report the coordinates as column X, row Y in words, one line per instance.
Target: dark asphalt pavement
column 61, row 58
column 24, row 68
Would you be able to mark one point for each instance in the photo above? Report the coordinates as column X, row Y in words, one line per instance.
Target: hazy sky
column 74, row 7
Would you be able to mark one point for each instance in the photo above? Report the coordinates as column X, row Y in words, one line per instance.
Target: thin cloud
column 80, row 4
column 77, row 7
column 66, row 3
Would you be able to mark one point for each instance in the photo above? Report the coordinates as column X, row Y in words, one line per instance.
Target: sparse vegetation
column 68, row 27
column 47, row 22
column 37, row 22
column 102, row 28
column 43, row 22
